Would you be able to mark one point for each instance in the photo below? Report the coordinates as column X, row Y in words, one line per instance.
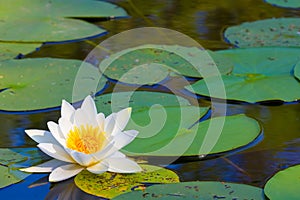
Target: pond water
column 204, row 21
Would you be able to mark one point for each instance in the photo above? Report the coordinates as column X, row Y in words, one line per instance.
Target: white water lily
column 83, row 139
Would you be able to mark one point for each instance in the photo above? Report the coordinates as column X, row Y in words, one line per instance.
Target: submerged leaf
column 205, row 190
column 109, row 185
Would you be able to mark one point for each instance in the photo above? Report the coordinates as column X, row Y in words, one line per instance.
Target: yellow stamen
column 86, row 139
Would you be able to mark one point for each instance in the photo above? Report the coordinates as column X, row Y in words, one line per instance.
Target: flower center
column 86, row 139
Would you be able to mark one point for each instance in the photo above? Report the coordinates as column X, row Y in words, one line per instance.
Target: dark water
column 204, row 21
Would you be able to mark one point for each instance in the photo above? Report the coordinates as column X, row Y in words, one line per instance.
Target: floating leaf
column 12, row 159
column 109, row 185
column 205, row 190
column 285, row 3
column 33, row 84
column 268, row 32
column 10, row 176
column 138, row 100
column 259, row 74
column 297, row 70
column 50, row 20
column 8, row 157
column 284, row 184
column 150, row 64
column 12, row 50
column 171, row 136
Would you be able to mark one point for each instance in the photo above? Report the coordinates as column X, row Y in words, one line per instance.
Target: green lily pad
column 259, row 74
column 138, row 100
column 109, row 185
column 8, row 157
column 284, row 184
column 285, row 3
column 12, row 50
column 51, row 19
column 206, row 190
column 34, row 84
column 10, row 176
column 150, row 64
column 268, row 32
column 12, row 159
column 166, row 132
column 297, row 71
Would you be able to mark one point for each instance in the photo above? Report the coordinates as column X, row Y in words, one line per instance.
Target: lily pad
column 297, row 71
column 285, row 3
column 167, row 132
column 284, row 184
column 206, row 190
column 150, row 64
column 12, row 159
column 10, row 176
column 12, row 50
column 268, row 32
column 109, row 185
column 8, row 157
column 138, row 100
column 35, row 84
column 51, row 19
column 259, row 74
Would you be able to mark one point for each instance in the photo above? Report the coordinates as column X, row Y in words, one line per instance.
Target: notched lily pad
column 34, row 84
column 12, row 159
column 109, row 185
column 150, row 64
column 259, row 74
column 138, row 100
column 268, row 32
column 285, row 3
column 284, row 184
column 12, row 50
column 197, row 190
column 51, row 19
column 171, row 135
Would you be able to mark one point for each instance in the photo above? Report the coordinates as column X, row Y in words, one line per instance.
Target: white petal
column 45, row 167
column 41, row 136
column 122, row 165
column 55, row 151
column 65, row 126
column 117, row 154
column 80, row 118
column 122, row 118
column 109, row 123
column 64, row 172
column 121, row 139
column 56, row 132
column 88, row 105
column 98, row 168
column 105, row 152
column 100, row 120
column 82, row 159
column 67, row 110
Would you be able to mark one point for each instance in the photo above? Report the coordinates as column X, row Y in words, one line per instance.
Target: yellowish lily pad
column 109, row 185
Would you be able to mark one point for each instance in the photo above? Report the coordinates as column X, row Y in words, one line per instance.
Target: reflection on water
column 204, row 21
